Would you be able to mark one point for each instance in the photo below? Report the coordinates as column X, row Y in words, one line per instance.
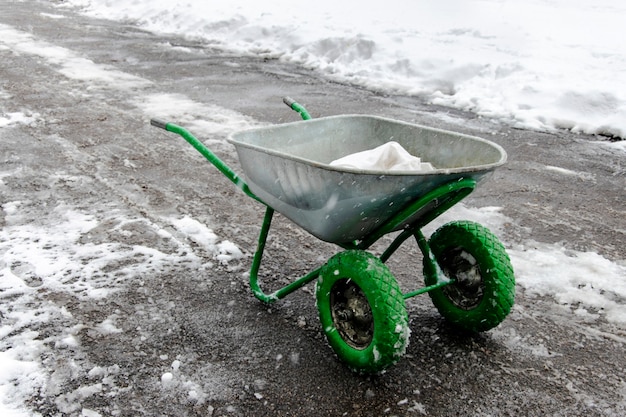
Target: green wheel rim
column 484, row 289
column 362, row 311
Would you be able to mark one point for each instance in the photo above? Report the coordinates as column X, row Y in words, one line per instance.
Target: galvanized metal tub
column 287, row 166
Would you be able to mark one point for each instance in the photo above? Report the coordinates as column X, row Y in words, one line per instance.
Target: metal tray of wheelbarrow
column 287, row 166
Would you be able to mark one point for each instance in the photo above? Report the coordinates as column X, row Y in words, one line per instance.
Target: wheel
column 362, row 311
column 484, row 289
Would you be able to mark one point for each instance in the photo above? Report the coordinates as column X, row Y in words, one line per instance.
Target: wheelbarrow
column 362, row 310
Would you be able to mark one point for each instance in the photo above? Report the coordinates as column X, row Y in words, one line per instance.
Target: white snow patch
column 89, row 413
column 227, row 251
column 71, row 402
column 376, row 353
column 196, row 231
column 67, row 62
column 209, row 120
column 52, row 15
column 70, row 341
column 619, row 145
column 489, row 216
column 578, row 279
column 517, row 342
column 18, row 118
column 19, row 379
column 68, row 251
column 561, row 170
column 108, row 326
column 167, row 378
column 564, row 171
column 224, row 251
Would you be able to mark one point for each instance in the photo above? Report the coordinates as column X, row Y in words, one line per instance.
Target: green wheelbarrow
column 466, row 269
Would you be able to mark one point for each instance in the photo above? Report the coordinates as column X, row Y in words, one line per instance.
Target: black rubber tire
column 484, row 291
column 362, row 311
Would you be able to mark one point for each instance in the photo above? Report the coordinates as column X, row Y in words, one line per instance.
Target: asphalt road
column 247, row 358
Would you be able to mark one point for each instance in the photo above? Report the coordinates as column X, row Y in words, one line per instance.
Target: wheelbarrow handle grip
column 294, row 105
column 288, row 101
column 159, row 123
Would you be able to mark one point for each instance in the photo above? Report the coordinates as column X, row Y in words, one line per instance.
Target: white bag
column 388, row 157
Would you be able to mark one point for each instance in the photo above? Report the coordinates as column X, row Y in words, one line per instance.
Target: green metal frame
column 440, row 199
column 449, row 194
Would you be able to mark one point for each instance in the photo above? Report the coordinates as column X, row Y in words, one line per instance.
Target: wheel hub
column 468, row 288
column 352, row 314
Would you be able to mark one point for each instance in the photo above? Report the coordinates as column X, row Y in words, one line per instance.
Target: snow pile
column 539, row 64
column 390, row 156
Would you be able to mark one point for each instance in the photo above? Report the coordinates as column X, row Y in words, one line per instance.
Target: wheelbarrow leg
column 258, row 255
column 256, row 265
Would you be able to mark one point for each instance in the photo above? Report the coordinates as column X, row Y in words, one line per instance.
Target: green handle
column 159, row 123
column 207, row 153
column 297, row 107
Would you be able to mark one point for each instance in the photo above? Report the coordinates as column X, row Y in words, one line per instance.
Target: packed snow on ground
column 537, row 64
column 59, row 255
column 54, row 255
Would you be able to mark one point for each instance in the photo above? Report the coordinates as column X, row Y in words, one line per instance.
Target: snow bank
column 539, row 64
